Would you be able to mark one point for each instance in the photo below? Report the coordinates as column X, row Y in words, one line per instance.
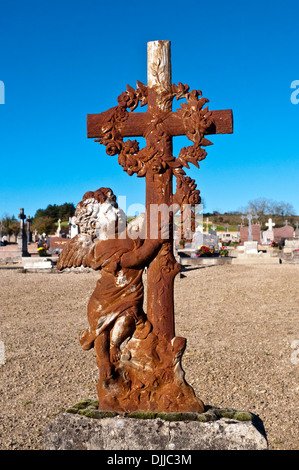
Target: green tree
column 62, row 212
column 10, row 225
column 44, row 224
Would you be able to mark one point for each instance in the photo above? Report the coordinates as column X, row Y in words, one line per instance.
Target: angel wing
column 76, row 252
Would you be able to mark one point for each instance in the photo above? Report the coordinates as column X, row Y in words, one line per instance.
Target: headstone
column 255, row 231
column 250, row 217
column 58, row 231
column 29, row 233
column 197, row 240
column 42, row 264
column 287, row 231
column 73, row 227
column 56, row 245
column 207, row 225
column 22, row 237
column 267, row 237
column 294, row 243
column 210, row 240
column 270, row 225
column 297, row 230
column 250, row 248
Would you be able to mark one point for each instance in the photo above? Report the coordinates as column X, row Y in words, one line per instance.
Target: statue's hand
column 105, row 370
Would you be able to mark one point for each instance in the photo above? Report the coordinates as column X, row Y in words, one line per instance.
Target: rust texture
column 138, row 354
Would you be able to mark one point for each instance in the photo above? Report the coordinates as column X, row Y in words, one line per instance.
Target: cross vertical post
column 163, row 269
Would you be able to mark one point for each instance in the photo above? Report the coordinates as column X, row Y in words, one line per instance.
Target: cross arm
column 136, row 123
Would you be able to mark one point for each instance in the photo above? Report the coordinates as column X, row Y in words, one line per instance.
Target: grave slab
column 250, row 247
column 37, row 264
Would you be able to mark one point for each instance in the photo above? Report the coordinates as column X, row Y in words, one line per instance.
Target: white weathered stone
column 267, row 237
column 292, row 243
column 74, row 432
column 36, row 264
column 250, row 247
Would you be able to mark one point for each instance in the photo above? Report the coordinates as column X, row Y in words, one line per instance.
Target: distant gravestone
column 251, row 247
column 207, row 224
column 58, row 231
column 56, row 244
column 22, row 237
column 210, row 240
column 73, row 227
column 297, row 230
column 268, row 235
column 29, row 233
column 197, row 240
column 255, row 230
column 292, row 244
column 270, row 225
column 283, row 232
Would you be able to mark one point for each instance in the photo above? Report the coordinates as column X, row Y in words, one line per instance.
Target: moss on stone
column 227, row 413
column 142, row 415
column 72, row 410
column 97, row 414
column 202, row 418
column 243, row 416
column 94, row 404
column 211, row 415
column 178, row 416
column 81, row 405
column 89, row 408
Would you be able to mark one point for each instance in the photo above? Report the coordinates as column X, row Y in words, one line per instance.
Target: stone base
column 251, row 247
column 39, row 264
column 255, row 259
column 86, row 428
column 205, row 261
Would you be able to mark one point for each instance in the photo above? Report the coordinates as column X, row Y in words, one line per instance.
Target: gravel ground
column 241, row 323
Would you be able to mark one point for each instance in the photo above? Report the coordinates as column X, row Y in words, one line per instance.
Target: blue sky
column 61, row 60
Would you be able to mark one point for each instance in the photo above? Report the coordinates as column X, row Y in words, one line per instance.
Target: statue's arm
column 138, row 258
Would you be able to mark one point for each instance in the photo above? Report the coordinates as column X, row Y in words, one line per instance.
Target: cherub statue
column 120, row 253
column 139, row 370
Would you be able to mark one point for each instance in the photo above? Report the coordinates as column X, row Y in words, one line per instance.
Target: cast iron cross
column 156, row 161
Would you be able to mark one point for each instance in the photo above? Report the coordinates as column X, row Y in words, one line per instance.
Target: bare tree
column 264, row 208
column 283, row 209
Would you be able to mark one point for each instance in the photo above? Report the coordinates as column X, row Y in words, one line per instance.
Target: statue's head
column 99, row 216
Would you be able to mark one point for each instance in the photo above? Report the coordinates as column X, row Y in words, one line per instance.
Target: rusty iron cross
column 156, row 161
